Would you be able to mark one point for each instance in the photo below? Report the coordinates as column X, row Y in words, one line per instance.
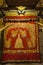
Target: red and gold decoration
column 21, row 38
column 21, row 43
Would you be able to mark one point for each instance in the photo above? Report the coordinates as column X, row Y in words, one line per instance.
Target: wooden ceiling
column 29, row 3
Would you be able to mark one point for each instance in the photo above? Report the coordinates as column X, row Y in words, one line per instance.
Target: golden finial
column 21, row 8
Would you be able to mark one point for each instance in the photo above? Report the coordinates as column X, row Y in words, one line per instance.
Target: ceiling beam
column 2, row 13
column 13, row 8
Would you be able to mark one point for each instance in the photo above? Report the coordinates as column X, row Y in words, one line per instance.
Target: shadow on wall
column 41, row 44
